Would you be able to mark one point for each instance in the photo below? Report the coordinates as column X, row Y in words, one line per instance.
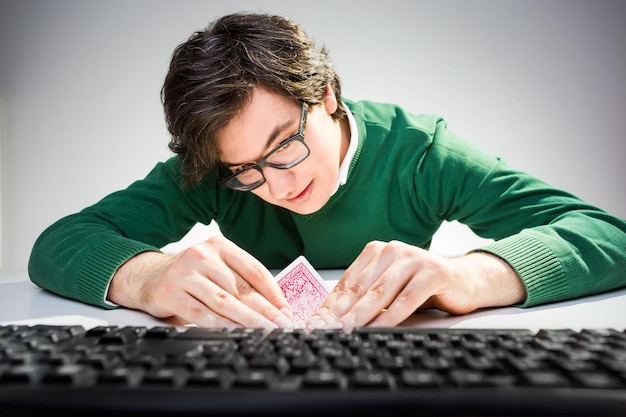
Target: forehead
column 266, row 117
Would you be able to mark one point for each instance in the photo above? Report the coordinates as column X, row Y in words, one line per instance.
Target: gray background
column 541, row 83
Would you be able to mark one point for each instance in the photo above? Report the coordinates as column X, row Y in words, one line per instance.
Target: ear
column 330, row 101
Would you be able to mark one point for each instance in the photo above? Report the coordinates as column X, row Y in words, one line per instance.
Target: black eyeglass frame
column 233, row 183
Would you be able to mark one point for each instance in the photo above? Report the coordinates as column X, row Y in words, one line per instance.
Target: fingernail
column 287, row 312
column 281, row 321
column 266, row 324
column 232, row 326
column 315, row 322
column 333, row 324
column 348, row 324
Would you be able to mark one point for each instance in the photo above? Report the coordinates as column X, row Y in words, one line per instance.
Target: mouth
column 302, row 196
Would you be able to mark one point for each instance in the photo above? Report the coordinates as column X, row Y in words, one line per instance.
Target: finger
column 197, row 313
column 261, row 280
column 355, row 282
column 418, row 293
column 218, row 301
column 243, row 265
column 409, row 300
column 398, row 265
column 250, row 297
column 219, row 260
column 189, row 310
column 378, row 297
column 246, row 289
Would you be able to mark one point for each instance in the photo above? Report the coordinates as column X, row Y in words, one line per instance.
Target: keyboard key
column 317, row 378
column 420, row 378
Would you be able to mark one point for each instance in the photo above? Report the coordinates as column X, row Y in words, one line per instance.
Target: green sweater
column 409, row 174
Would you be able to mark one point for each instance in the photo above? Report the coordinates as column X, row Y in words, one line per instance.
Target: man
column 267, row 147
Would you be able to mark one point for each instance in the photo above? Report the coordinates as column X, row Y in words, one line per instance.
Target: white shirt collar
column 347, row 159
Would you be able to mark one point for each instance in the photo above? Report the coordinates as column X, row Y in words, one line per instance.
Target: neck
column 344, row 126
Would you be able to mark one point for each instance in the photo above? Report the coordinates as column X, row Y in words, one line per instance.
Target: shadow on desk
column 606, row 310
column 24, row 301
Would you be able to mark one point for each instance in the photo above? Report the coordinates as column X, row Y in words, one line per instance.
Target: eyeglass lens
column 290, row 152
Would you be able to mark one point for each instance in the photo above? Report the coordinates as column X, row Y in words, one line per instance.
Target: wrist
column 490, row 281
column 127, row 286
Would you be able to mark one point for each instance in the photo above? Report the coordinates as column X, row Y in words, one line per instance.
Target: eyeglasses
column 289, row 153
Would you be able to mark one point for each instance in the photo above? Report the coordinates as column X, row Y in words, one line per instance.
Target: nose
column 279, row 181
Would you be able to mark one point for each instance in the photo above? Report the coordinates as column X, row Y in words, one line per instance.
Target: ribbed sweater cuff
column 537, row 266
column 98, row 269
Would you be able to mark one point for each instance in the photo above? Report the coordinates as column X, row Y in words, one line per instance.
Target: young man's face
column 270, row 119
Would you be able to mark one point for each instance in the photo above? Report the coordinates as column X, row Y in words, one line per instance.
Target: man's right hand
column 211, row 284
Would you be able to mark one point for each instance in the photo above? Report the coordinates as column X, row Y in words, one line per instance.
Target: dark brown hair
column 213, row 74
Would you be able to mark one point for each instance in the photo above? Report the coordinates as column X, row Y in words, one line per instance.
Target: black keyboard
column 154, row 371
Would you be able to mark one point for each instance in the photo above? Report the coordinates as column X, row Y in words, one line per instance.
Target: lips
column 303, row 195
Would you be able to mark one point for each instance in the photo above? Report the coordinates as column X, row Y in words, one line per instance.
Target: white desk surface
column 21, row 301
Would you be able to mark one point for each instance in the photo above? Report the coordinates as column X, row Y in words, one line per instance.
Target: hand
column 211, row 284
column 390, row 281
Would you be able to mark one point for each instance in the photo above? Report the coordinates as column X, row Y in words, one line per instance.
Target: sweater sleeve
column 560, row 246
column 77, row 255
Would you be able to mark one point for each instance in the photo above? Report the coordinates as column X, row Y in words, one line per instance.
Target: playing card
column 304, row 289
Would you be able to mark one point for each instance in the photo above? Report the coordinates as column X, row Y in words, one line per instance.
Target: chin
column 309, row 207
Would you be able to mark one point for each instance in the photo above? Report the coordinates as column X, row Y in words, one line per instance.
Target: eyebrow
column 271, row 139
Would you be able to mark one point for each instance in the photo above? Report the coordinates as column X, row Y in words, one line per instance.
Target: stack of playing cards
column 304, row 289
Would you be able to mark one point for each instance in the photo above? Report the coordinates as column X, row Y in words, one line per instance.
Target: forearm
column 129, row 285
column 77, row 256
column 484, row 280
column 573, row 257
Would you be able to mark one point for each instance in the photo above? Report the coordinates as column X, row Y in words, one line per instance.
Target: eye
column 241, row 168
column 285, row 145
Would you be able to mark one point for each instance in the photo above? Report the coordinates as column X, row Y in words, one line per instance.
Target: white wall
column 540, row 82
